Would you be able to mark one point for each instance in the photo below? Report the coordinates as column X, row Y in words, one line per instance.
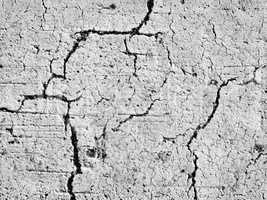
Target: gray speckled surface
column 133, row 100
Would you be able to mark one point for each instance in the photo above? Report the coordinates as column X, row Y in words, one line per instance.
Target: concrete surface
column 133, row 100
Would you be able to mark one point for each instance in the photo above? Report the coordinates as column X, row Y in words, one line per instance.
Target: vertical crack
column 76, row 159
column 74, row 142
column 216, row 103
column 45, row 10
column 192, row 176
column 70, row 186
column 129, row 53
column 82, row 37
column 66, row 59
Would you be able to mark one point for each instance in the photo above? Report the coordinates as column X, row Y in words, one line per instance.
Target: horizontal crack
column 85, row 33
column 38, row 96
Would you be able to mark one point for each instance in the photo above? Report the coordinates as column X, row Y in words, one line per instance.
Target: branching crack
column 129, row 53
column 131, row 116
column 36, row 96
column 134, row 31
column 66, row 117
column 201, row 126
column 82, row 35
column 150, row 5
column 253, row 79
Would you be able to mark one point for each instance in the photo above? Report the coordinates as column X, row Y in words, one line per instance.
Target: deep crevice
column 74, row 142
column 70, row 186
column 192, row 176
column 76, row 159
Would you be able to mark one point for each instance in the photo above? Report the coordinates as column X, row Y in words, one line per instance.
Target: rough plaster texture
column 129, row 100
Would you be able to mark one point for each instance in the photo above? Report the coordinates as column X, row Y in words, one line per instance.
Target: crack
column 166, row 78
column 100, row 149
column 74, row 139
column 84, row 33
column 76, row 159
column 70, row 186
column 50, row 64
column 102, row 98
column 111, row 6
column 214, row 32
column 45, row 9
column 192, row 176
column 150, row 5
column 11, row 131
column 72, row 51
column 45, row 85
column 66, row 118
column 260, row 149
column 129, row 53
column 131, row 116
column 201, row 126
column 170, row 63
column 82, row 36
column 74, row 142
column 169, row 57
column 215, row 107
column 253, row 79
column 43, row 95
column 104, row 133
column 36, row 96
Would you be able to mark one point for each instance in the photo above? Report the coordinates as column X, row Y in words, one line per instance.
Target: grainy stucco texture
column 133, row 100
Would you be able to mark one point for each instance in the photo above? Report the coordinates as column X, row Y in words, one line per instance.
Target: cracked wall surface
column 133, row 99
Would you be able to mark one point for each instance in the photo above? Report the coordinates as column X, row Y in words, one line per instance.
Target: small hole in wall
column 91, row 153
column 259, row 148
column 112, row 6
column 213, row 82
